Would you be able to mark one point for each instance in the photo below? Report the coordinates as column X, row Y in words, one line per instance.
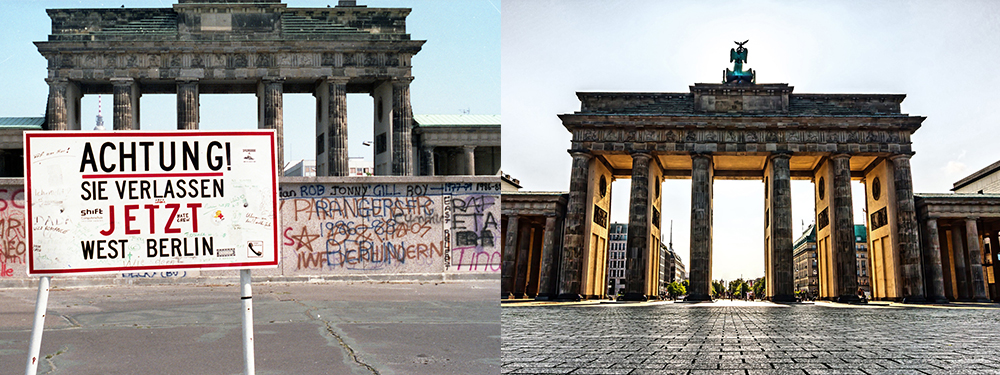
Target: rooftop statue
column 738, row 75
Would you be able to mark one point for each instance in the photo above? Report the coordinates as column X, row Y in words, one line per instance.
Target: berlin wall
column 336, row 227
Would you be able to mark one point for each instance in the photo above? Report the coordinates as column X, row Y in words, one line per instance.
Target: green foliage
column 718, row 288
column 675, row 289
column 759, row 288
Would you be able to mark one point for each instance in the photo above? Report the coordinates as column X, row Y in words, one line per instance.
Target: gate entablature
column 740, row 125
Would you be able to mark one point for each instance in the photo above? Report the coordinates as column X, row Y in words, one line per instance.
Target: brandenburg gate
column 742, row 130
column 257, row 47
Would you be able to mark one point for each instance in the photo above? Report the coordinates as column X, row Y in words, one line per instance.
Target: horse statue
column 738, row 75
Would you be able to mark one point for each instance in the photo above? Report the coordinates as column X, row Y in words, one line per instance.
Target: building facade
column 617, row 240
column 807, row 262
column 457, row 144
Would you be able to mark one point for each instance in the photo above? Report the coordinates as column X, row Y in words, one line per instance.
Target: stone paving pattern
column 747, row 338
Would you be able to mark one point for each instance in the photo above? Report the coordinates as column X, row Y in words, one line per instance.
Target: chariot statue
column 738, row 56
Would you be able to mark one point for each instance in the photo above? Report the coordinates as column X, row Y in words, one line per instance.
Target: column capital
column 401, row 80
column 641, row 153
column 580, row 154
column 780, row 154
column 271, row 79
column 469, row 147
column 57, row 81
column 181, row 80
column 840, row 155
column 337, row 79
column 894, row 157
column 122, row 81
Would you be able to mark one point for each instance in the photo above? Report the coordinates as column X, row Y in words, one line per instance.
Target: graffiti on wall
column 357, row 228
column 474, row 226
column 12, row 232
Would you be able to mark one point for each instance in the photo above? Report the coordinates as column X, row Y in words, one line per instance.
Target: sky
column 942, row 55
column 457, row 71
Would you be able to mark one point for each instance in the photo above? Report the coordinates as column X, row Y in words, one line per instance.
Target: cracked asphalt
column 749, row 338
column 299, row 328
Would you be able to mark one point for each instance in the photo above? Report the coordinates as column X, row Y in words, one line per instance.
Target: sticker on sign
column 126, row 201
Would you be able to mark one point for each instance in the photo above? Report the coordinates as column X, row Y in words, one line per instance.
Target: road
column 300, row 328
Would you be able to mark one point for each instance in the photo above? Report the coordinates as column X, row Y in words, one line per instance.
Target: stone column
column 429, row 158
column 782, row 257
column 995, row 246
column 637, row 247
column 978, row 285
column 509, row 258
column 570, row 272
column 57, row 115
column 547, row 266
column 843, row 230
column 272, row 103
column 906, row 231
column 402, row 124
column 188, row 106
column 336, row 130
column 700, row 275
column 523, row 257
column 123, row 104
column 932, row 260
column 958, row 254
column 470, row 159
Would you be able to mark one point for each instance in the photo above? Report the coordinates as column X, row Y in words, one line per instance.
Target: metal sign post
column 246, row 297
column 41, row 304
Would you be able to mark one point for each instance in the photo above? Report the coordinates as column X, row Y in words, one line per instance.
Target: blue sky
column 457, row 70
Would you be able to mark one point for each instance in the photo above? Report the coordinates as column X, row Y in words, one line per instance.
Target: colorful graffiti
column 12, row 231
column 475, row 233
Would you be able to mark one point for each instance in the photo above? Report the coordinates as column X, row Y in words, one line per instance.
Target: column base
column 915, row 299
column 698, row 298
column 506, row 296
column 633, row 297
column 984, row 300
column 851, row 299
column 938, row 300
column 544, row 297
column 784, row 298
column 568, row 297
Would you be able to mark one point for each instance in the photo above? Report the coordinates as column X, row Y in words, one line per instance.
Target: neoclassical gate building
column 257, row 47
column 745, row 131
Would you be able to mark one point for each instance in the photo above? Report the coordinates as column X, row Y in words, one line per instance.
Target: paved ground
column 332, row 328
column 748, row 338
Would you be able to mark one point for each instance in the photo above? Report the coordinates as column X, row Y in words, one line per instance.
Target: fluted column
column 188, row 104
column 782, row 258
column 702, row 175
column 906, row 231
column 932, row 260
column 843, row 229
column 123, row 119
column 429, row 158
column 958, row 256
column 978, row 285
column 547, row 268
column 637, row 241
column 402, row 124
column 470, row 159
column 57, row 115
column 273, row 104
column 570, row 272
column 509, row 258
column 336, row 152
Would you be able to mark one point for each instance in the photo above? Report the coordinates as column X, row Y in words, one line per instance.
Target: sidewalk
column 300, row 328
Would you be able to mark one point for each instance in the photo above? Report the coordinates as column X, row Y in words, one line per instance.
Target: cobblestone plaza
column 749, row 338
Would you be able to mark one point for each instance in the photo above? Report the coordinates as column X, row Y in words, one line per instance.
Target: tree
column 759, row 288
column 718, row 288
column 675, row 289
